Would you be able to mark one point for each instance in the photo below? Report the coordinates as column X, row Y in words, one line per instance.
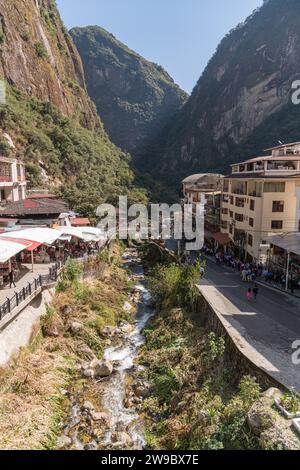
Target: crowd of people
column 252, row 272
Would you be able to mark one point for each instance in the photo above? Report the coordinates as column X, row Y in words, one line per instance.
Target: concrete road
column 269, row 325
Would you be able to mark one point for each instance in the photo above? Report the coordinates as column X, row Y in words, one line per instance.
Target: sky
column 179, row 35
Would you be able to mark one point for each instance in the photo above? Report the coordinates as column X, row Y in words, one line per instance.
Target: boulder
column 63, row 442
column 88, row 373
column 76, row 327
column 102, row 368
column 103, row 418
column 127, row 328
column 121, row 439
column 142, row 390
column 88, row 406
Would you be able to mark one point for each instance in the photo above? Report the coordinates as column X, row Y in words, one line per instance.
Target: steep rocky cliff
column 242, row 102
column 39, row 58
column 49, row 120
column 135, row 98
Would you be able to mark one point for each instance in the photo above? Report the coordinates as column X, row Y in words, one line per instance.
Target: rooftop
column 42, row 206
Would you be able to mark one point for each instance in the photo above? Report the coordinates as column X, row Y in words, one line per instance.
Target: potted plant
column 289, row 405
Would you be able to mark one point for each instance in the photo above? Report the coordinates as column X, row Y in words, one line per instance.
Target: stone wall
column 239, row 361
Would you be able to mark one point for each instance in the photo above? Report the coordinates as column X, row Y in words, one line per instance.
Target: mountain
column 242, row 102
column 49, row 120
column 135, row 98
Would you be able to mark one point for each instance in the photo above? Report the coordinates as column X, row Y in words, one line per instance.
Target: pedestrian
column 12, row 279
column 249, row 294
column 255, row 291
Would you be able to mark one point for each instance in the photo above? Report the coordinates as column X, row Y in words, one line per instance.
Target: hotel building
column 261, row 198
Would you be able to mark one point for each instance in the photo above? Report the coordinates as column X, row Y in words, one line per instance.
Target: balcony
column 5, row 179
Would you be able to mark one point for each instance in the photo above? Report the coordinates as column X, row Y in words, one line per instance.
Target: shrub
column 5, row 149
column 41, row 50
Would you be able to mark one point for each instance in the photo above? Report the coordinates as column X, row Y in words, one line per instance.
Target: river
column 123, row 420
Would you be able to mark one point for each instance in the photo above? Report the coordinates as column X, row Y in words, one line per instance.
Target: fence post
column 29, row 288
column 8, row 303
column 41, row 280
column 17, row 300
column 24, row 293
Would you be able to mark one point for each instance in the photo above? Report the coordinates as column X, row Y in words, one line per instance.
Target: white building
column 12, row 180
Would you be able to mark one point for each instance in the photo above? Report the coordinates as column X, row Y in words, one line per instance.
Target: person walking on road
column 12, row 279
column 255, row 291
column 249, row 294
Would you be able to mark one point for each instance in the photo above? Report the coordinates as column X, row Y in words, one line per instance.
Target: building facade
column 209, row 185
column 261, row 198
column 12, row 180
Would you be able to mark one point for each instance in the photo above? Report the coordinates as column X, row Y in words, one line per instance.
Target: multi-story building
column 209, row 185
column 261, row 198
column 12, row 180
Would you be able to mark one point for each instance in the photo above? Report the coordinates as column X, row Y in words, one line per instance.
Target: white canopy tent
column 87, row 234
column 8, row 249
column 39, row 234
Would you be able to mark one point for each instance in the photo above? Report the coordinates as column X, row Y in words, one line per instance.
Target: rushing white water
column 122, row 418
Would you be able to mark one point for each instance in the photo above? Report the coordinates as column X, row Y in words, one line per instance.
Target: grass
column 32, row 402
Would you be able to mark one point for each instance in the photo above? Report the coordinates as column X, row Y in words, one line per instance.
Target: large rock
column 76, row 328
column 261, row 416
column 103, row 418
column 142, row 390
column 121, row 439
column 63, row 442
column 102, row 368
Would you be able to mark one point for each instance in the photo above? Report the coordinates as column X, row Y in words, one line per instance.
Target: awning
column 87, row 234
column 221, row 238
column 29, row 245
column 41, row 235
column 289, row 242
column 8, row 249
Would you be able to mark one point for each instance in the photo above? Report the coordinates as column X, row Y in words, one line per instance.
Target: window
column 252, row 205
column 274, row 187
column 250, row 240
column 277, row 224
column 224, row 224
column 239, row 202
column 231, row 214
column 251, row 222
column 278, row 206
column 239, row 217
column 231, row 200
column 224, row 211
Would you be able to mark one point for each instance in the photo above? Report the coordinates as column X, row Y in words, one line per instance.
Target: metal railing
column 40, row 281
column 43, row 280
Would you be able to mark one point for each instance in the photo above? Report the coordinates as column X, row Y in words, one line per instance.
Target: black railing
column 19, row 297
column 40, row 281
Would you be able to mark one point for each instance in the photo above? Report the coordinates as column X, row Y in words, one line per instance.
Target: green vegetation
column 5, row 149
column 41, row 50
column 198, row 400
column 86, row 167
column 291, row 402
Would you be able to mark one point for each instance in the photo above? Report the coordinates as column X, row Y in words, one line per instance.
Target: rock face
column 135, row 98
column 241, row 105
column 51, row 121
column 38, row 57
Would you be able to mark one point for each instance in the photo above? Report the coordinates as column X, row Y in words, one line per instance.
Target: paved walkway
column 265, row 330
column 26, row 277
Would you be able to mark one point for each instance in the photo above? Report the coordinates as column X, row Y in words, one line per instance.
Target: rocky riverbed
column 115, row 422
